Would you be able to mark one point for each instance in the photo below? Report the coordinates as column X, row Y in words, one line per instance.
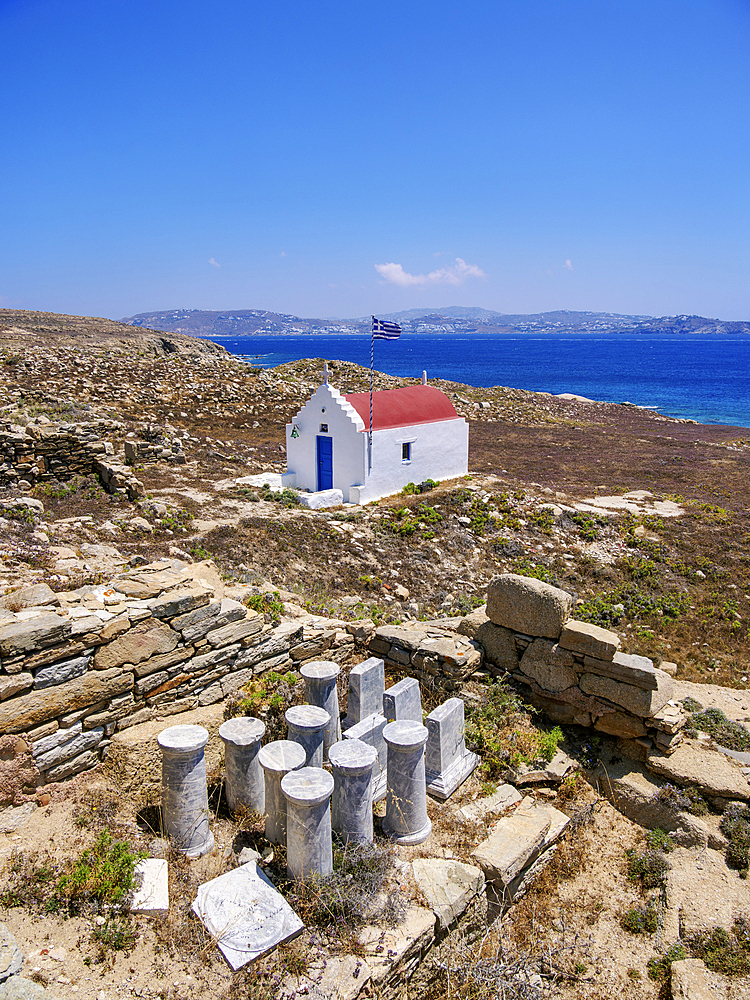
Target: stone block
column 499, row 646
column 515, row 842
column 236, row 631
column 152, row 895
column 689, row 980
column 590, row 640
column 58, row 673
column 179, row 602
column 471, row 623
column 19, row 637
column 621, row 724
column 83, row 762
column 393, row 953
column 448, row 886
column 65, row 751
column 162, row 662
column 13, row 684
column 637, row 700
column 28, row 710
column 503, row 798
column 139, row 643
column 692, row 764
column 321, row 499
column 526, row 605
column 549, row 665
column 626, row 667
column 245, row 915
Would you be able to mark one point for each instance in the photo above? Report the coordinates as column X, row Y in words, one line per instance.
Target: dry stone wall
column 435, row 655
column 161, row 639
column 574, row 671
column 42, row 451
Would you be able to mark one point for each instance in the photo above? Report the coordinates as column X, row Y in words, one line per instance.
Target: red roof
column 412, row 404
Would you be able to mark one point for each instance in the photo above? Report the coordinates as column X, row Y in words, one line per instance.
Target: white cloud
column 568, row 264
column 455, row 274
column 283, row 253
column 213, row 262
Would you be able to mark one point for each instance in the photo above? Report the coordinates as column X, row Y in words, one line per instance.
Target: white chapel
column 416, row 435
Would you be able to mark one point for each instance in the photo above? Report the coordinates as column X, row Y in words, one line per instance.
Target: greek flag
column 383, row 330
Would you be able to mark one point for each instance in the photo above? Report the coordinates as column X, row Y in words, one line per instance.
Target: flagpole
column 372, row 380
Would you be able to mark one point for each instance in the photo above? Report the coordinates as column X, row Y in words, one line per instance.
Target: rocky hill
column 453, row 319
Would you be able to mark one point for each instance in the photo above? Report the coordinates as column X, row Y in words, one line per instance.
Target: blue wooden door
column 325, row 462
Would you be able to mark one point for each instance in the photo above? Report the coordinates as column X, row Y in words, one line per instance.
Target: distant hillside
column 451, row 319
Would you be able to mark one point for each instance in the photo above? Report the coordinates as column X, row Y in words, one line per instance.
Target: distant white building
column 416, row 435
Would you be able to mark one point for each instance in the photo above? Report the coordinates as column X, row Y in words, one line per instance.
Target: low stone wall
column 162, row 639
column 435, row 655
column 42, row 451
column 572, row 670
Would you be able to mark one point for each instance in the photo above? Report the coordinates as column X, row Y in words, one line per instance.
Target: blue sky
column 342, row 158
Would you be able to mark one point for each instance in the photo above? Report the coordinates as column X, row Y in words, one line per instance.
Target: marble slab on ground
column 501, row 800
column 153, row 894
column 245, row 915
column 449, row 886
column 393, row 953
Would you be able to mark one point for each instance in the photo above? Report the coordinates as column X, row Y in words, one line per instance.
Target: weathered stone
column 278, row 642
column 620, row 724
column 639, row 701
column 514, row 843
column 696, row 765
column 33, row 596
column 204, row 661
column 236, row 631
column 499, row 646
column 628, row 668
column 551, row 773
column 14, row 684
column 179, row 602
column 591, row 640
column 65, row 751
column 152, row 895
column 25, row 636
column 145, row 640
column 408, row 639
column 58, row 673
column 471, row 623
column 161, row 662
column 500, row 801
column 11, row 957
column 448, row 886
column 393, row 953
column 245, row 914
column 524, row 604
column 27, row 710
column 549, row 665
column 689, row 981
column 84, row 762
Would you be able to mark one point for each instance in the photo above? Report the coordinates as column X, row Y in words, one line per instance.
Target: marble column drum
column 306, row 724
column 352, row 762
column 406, row 820
column 308, row 838
column 184, row 795
column 244, row 784
column 321, row 677
column 277, row 759
column 366, row 687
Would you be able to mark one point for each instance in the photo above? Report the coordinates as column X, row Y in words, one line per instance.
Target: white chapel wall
column 439, row 450
column 344, row 424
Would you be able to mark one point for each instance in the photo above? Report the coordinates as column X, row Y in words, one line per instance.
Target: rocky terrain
column 643, row 520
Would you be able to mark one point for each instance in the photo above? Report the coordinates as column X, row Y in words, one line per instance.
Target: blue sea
column 705, row 378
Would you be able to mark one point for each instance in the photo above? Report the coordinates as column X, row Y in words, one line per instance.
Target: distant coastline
column 696, row 377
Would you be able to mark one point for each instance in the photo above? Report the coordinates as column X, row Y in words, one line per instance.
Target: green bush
column 735, row 825
column 723, row 952
column 649, row 868
column 641, row 921
column 104, row 872
column 659, row 968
